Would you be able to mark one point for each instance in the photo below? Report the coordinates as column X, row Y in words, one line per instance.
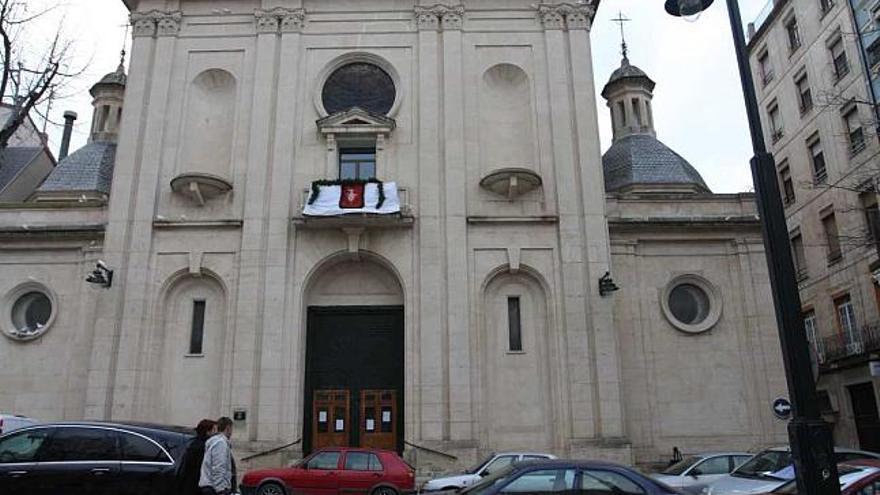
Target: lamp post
column 809, row 436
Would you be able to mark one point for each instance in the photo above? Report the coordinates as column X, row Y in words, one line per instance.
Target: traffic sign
column 782, row 408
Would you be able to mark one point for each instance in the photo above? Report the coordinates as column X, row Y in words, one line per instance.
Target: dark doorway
column 864, row 404
column 354, row 377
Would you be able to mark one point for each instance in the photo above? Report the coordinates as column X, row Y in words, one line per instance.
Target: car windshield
column 488, row 482
column 681, row 466
column 476, row 467
column 765, row 464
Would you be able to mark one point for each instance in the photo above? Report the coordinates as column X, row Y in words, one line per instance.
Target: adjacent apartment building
column 813, row 79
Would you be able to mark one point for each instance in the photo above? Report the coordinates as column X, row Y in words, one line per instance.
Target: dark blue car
column 567, row 478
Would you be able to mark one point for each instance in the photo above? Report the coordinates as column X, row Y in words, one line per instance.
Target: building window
column 832, row 238
column 838, row 57
column 514, row 324
column 805, row 96
column 825, row 5
column 854, row 131
column 30, row 310
column 798, row 255
column 621, row 110
column 794, row 37
column 359, row 84
column 691, row 304
column 873, row 51
column 820, row 175
column 846, row 321
column 810, row 327
column 357, row 163
column 764, row 70
column 868, row 200
column 775, row 122
column 196, row 336
column 786, row 184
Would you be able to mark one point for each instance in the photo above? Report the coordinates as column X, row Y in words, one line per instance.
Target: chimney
column 69, row 117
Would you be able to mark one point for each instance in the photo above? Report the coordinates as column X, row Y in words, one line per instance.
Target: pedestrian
column 195, row 453
column 218, row 468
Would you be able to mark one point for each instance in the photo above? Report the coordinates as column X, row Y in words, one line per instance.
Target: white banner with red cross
column 353, row 197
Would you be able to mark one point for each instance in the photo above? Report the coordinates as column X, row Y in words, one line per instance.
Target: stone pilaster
column 566, row 15
column 246, row 387
column 280, row 19
column 439, row 17
column 458, row 351
column 156, row 23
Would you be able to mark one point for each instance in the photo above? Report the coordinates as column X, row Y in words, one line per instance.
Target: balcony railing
column 840, row 346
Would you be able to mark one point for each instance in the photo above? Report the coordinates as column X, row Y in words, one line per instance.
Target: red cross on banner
column 352, row 195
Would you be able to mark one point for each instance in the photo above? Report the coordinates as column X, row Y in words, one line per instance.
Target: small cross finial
column 620, row 19
column 121, row 67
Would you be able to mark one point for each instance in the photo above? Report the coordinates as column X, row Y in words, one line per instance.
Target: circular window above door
column 359, row 84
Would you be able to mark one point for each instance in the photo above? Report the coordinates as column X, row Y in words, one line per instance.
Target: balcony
column 838, row 347
column 355, row 219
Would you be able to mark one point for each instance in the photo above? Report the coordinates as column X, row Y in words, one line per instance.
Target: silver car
column 770, row 469
column 695, row 472
column 487, row 466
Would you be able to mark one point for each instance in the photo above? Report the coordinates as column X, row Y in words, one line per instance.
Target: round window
column 691, row 304
column 28, row 311
column 359, row 84
column 31, row 312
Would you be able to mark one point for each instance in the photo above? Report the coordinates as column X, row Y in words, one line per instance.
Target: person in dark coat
column 194, row 454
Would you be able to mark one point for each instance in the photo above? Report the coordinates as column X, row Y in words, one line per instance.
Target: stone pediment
column 356, row 120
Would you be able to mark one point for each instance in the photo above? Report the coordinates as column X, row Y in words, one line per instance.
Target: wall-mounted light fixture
column 101, row 275
column 607, row 285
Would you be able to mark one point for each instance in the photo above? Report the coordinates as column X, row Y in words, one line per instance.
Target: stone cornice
column 156, row 23
column 567, row 15
column 280, row 19
column 437, row 17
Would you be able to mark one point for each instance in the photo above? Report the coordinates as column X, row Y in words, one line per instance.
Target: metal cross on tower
column 620, row 19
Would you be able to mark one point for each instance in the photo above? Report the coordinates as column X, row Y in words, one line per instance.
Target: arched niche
column 354, row 282
column 506, row 135
column 516, row 383
column 210, row 124
column 190, row 375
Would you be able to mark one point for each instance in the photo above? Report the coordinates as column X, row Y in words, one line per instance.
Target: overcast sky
column 698, row 108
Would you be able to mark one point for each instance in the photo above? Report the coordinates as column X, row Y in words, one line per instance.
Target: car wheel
column 384, row 490
column 271, row 489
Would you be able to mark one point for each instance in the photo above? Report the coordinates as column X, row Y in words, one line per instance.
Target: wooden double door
column 354, row 378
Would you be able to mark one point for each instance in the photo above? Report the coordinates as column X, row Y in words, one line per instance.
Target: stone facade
column 223, row 97
column 801, row 49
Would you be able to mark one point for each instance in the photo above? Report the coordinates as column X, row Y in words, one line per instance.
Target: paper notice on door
column 371, row 425
column 340, row 424
column 386, row 416
column 322, row 416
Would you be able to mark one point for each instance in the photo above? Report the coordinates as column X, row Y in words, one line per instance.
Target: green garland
column 316, row 187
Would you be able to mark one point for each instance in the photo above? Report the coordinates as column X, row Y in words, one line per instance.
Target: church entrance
column 354, row 377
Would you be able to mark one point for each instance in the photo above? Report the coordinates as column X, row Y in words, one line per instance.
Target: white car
column 695, row 472
column 11, row 422
column 769, row 470
column 487, row 466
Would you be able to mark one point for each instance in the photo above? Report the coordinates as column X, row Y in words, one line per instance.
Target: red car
column 335, row 470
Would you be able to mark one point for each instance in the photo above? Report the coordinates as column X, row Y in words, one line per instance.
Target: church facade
column 511, row 288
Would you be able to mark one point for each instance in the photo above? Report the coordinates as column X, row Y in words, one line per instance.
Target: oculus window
column 359, row 84
column 691, row 304
column 29, row 311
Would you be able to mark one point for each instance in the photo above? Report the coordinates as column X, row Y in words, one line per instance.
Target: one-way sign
column 782, row 408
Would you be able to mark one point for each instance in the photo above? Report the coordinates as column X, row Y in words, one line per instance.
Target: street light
column 810, row 437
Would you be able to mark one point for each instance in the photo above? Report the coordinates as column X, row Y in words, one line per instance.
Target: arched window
column 359, row 84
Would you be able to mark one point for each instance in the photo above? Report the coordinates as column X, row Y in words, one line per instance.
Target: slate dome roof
column 115, row 78
column 641, row 159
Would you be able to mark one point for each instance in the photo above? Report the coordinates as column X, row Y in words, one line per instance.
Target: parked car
column 93, row 459
column 695, row 472
column 335, row 470
column 482, row 469
column 769, row 470
column 565, row 477
column 854, row 478
column 12, row 422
